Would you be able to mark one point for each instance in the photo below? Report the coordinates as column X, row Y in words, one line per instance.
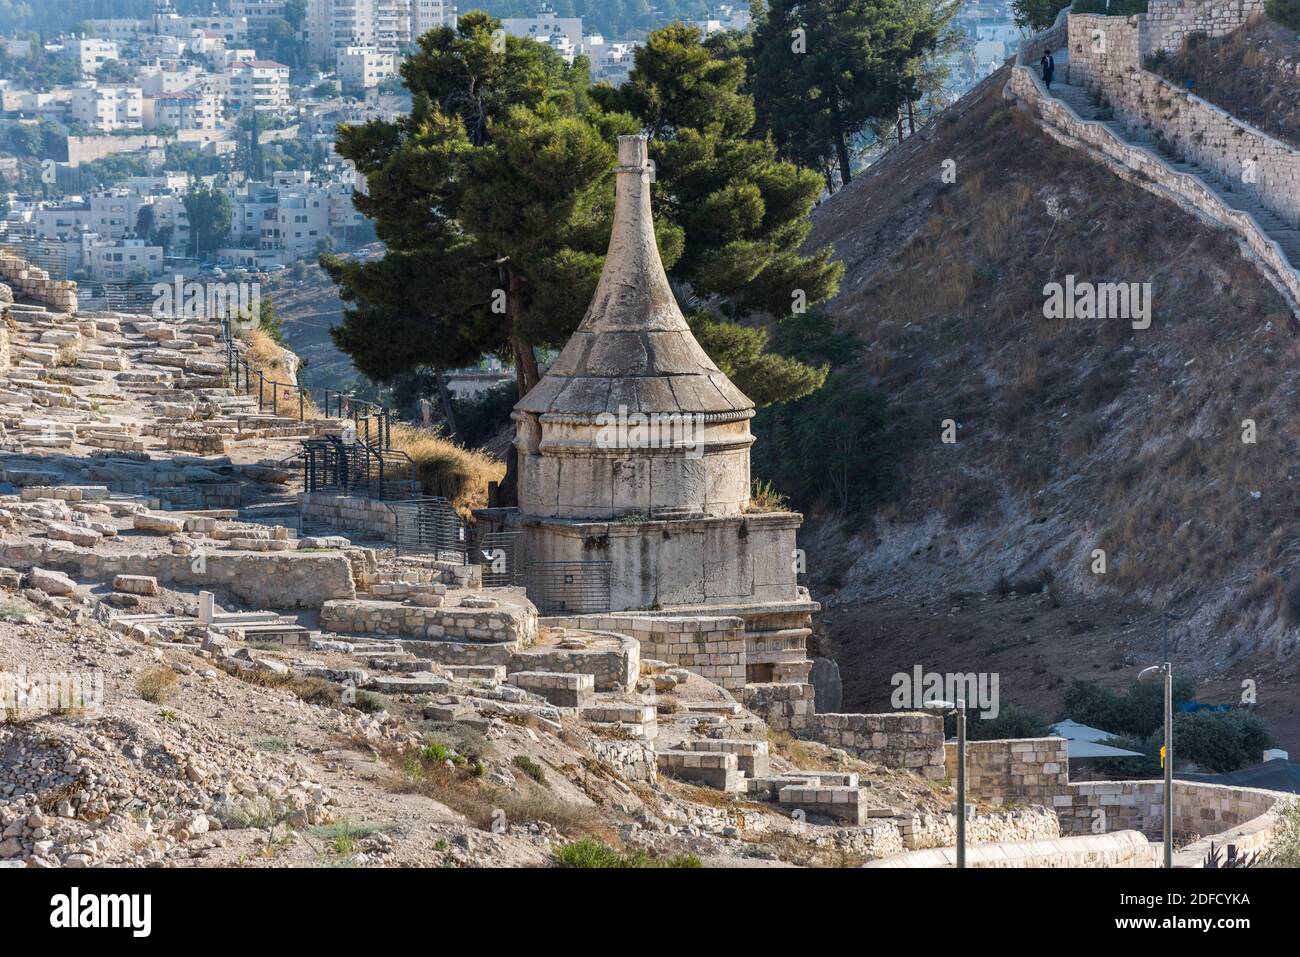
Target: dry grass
column 445, row 468
column 266, row 356
column 1250, row 73
column 157, row 685
column 763, row 497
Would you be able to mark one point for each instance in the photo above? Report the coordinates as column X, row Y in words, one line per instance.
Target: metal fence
column 431, row 526
column 330, row 464
column 569, row 588
column 498, row 555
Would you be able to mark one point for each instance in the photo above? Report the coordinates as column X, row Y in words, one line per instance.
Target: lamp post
column 959, row 709
column 1150, row 674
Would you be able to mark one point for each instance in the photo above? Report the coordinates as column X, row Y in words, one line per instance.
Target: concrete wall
column 1013, row 770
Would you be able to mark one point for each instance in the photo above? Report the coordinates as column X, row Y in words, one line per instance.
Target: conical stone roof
column 633, row 348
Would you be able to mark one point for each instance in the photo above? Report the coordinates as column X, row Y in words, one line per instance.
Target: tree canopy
column 494, row 199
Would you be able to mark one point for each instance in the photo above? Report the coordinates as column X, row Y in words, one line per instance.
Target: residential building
column 90, row 53
column 361, row 68
column 105, row 108
column 258, row 85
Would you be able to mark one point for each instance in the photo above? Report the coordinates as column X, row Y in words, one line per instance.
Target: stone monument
column 634, row 465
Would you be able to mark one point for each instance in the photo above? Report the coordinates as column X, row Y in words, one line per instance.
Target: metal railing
column 330, row 464
column 372, row 423
column 569, row 588
column 431, row 526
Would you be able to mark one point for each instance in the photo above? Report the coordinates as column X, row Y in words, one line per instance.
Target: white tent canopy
column 1085, row 742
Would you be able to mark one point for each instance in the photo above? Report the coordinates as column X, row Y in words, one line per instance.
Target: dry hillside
column 1074, row 434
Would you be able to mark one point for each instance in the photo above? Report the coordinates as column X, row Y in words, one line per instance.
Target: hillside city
column 596, row 435
column 111, row 124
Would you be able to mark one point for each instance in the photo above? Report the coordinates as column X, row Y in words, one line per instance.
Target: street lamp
column 1151, row 674
column 959, row 709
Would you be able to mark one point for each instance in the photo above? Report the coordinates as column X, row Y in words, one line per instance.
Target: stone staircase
column 1086, row 104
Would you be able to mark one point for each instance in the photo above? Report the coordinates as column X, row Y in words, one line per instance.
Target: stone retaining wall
column 349, row 512
column 32, row 282
column 1106, row 53
column 1013, row 770
column 613, row 668
column 903, row 739
column 1122, row 849
column 514, row 622
column 1200, row 810
column 260, row 579
column 711, row 647
column 1146, row 169
column 785, row 707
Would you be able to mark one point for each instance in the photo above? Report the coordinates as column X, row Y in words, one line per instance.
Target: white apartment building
column 610, row 62
column 120, row 260
column 331, row 26
column 182, row 111
column 545, row 26
column 234, row 30
column 427, row 15
column 724, row 18
column 361, row 68
column 107, row 108
column 258, row 85
column 155, row 78
column 90, row 53
column 301, row 221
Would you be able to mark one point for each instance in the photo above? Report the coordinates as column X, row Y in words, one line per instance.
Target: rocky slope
column 1072, row 434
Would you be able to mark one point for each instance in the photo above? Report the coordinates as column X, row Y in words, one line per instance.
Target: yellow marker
column 1162, row 755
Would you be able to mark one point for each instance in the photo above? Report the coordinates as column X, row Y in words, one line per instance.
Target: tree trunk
column 445, row 400
column 841, row 142
column 911, row 118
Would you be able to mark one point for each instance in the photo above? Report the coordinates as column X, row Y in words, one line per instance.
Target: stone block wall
column 1013, row 770
column 785, row 707
column 1144, row 168
column 1107, row 53
column 1199, row 809
column 711, row 647
column 349, row 512
column 904, row 739
column 31, row 282
column 613, row 668
column 514, row 622
column 262, row 580
column 1168, row 23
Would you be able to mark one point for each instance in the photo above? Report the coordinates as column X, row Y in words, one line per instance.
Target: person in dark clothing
column 1049, row 68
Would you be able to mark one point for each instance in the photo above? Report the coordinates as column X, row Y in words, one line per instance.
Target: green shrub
column 1285, row 851
column 591, row 853
column 1285, row 12
column 531, row 768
